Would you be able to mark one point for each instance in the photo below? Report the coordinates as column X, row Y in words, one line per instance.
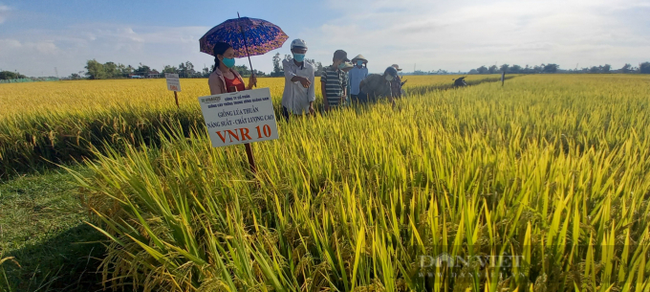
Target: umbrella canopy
column 247, row 36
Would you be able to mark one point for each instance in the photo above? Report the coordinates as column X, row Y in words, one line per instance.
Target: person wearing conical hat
column 358, row 73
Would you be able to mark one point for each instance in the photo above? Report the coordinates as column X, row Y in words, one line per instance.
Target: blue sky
column 37, row 36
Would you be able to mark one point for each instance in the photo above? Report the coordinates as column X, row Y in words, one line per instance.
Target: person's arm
column 324, row 92
column 214, row 83
column 344, row 85
column 311, row 94
column 252, row 81
column 323, row 89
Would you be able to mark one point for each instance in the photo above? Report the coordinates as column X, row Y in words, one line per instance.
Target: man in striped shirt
column 333, row 81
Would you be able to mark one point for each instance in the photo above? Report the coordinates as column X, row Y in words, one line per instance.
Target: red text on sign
column 243, row 134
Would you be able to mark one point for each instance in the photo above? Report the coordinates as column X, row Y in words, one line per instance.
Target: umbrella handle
column 246, row 46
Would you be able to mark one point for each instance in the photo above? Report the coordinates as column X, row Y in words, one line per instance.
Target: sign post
column 240, row 118
column 173, row 84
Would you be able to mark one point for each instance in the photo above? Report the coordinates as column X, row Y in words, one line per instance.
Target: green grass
column 42, row 227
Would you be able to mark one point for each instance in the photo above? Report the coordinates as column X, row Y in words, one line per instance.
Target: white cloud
column 434, row 35
column 467, row 34
column 4, row 12
column 37, row 52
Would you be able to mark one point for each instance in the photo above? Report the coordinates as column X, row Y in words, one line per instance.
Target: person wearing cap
column 334, row 82
column 299, row 93
column 379, row 86
column 358, row 73
column 396, row 84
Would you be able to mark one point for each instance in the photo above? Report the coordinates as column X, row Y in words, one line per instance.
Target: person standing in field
column 333, row 81
column 223, row 78
column 396, row 84
column 379, row 86
column 358, row 73
column 348, row 66
column 299, row 94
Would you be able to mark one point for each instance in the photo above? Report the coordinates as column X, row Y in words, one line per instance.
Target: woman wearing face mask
column 358, row 73
column 223, row 78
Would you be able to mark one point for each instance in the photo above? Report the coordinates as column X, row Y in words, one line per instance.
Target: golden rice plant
column 540, row 185
column 57, row 122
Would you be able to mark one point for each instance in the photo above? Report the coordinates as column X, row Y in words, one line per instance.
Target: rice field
column 57, row 122
column 540, row 185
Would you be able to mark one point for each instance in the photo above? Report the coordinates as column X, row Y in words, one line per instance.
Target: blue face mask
column 342, row 65
column 359, row 63
column 299, row 57
column 229, row 62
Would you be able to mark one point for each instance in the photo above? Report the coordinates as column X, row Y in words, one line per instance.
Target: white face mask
column 389, row 78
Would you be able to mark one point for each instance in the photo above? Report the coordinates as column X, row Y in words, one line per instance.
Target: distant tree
column 607, row 68
column 242, row 70
column 189, row 69
column 142, row 70
column 493, row 69
column 206, row 72
column 504, row 68
column 482, row 70
column 627, row 68
column 169, row 69
column 75, row 76
column 550, row 68
column 473, row 71
column 277, row 69
column 594, row 69
column 515, row 69
column 95, row 70
column 644, row 68
column 317, row 65
column 259, row 73
column 112, row 70
column 6, row 75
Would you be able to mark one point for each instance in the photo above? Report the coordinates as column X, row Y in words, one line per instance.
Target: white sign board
column 173, row 83
column 239, row 117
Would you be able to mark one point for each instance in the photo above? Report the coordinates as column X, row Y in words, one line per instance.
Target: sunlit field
column 46, row 98
column 540, row 185
column 60, row 121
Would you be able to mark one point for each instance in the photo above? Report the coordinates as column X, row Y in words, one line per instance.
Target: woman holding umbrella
column 223, row 78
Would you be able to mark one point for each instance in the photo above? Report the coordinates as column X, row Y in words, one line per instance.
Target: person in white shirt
column 299, row 94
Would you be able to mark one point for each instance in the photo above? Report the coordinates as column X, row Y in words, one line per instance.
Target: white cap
column 298, row 43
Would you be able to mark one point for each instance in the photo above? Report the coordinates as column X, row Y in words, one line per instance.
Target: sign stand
column 251, row 158
column 173, row 84
column 249, row 149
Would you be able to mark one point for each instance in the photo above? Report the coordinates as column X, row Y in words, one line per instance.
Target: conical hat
column 359, row 57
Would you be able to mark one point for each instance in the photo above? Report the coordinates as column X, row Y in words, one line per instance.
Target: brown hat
column 341, row 55
column 347, row 66
column 359, row 57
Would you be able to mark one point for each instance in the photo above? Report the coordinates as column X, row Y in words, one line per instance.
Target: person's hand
column 252, row 81
column 311, row 109
column 327, row 107
column 305, row 82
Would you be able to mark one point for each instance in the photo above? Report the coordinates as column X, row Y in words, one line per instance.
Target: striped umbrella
column 247, row 36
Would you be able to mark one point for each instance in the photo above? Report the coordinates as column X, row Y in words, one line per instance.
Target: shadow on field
column 67, row 262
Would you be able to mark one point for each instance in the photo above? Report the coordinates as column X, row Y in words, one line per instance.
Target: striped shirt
column 335, row 81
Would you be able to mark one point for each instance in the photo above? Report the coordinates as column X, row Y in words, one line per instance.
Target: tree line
column 111, row 70
column 643, row 68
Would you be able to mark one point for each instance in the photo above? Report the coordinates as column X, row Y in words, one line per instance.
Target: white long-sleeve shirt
column 296, row 98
